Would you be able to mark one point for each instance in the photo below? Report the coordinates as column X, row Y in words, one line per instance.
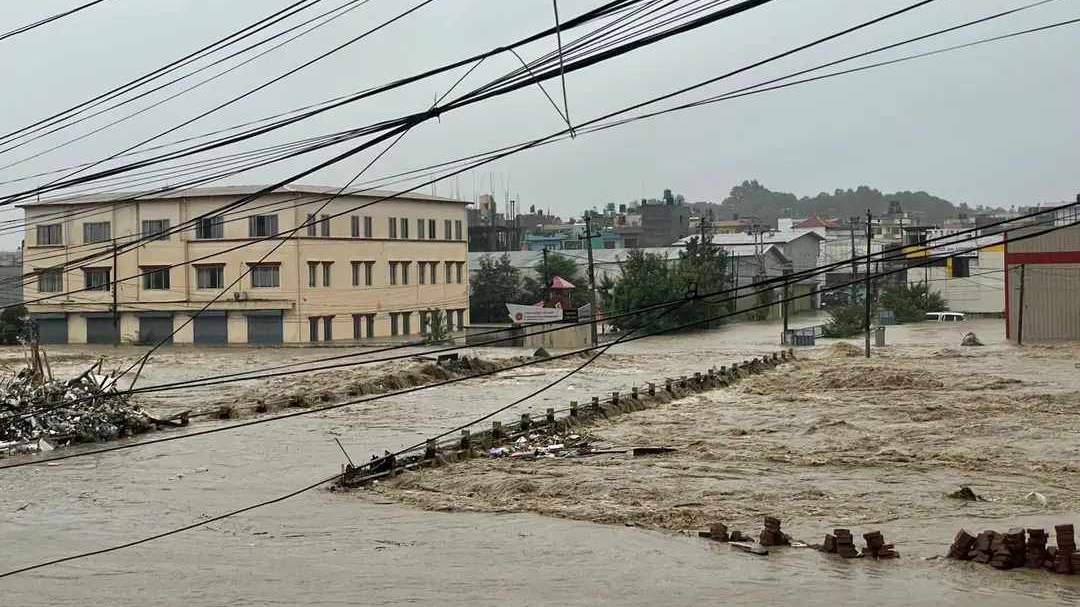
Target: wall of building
column 663, row 224
column 294, row 296
column 1051, row 284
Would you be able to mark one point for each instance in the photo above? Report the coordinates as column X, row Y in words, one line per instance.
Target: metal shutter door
column 153, row 329
column 52, row 330
column 212, row 329
column 99, row 330
column 265, row 330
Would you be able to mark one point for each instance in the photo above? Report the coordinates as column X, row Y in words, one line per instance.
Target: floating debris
column 38, row 412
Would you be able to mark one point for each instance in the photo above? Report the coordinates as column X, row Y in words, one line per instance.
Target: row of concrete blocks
column 465, row 446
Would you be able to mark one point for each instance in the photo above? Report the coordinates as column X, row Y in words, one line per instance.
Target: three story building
column 278, row 269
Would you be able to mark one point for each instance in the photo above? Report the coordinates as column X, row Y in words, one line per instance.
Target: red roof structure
column 817, row 222
column 559, row 283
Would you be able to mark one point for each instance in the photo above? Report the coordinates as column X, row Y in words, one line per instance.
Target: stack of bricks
column 845, row 543
column 980, row 550
column 877, row 548
column 1007, row 551
column 1066, row 546
column 962, row 545
column 1036, row 548
column 771, row 534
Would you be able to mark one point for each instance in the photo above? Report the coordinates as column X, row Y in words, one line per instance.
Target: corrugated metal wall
column 1051, row 301
column 1065, row 239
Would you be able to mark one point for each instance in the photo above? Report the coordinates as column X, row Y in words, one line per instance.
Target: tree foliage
column 12, row 325
column 647, row 279
column 534, row 286
column 751, row 198
column 437, row 331
column 910, row 303
column 495, row 283
column 846, row 321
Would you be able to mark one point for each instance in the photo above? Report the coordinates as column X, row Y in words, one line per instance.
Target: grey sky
column 994, row 125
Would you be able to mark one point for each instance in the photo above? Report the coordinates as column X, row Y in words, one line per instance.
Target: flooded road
column 323, row 548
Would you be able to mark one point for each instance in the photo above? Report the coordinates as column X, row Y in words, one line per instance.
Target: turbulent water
column 364, row 549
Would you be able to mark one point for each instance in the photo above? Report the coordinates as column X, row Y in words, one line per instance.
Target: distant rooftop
column 818, row 222
column 234, row 190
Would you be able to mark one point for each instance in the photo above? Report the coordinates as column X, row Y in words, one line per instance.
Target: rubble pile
column 539, row 446
column 37, row 412
column 1008, row 550
column 841, row 542
column 877, row 548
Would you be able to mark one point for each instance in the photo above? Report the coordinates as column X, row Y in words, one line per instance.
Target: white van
column 945, row 316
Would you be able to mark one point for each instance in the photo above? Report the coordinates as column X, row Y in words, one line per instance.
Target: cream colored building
column 365, row 269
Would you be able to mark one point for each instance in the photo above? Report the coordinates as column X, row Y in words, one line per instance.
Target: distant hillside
column 751, row 198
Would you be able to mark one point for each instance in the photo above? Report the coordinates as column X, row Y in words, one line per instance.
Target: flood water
column 324, row 548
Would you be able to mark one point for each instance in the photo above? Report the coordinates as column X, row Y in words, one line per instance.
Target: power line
column 47, row 20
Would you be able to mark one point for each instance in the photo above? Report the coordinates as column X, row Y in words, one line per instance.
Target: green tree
column 534, row 285
column 12, row 325
column 496, row 283
column 910, row 303
column 437, row 331
column 647, row 279
column 846, row 321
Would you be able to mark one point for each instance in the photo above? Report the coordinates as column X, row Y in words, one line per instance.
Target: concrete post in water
column 652, row 389
column 466, row 440
column 615, row 398
column 682, row 382
column 573, row 408
column 550, row 416
column 634, row 393
column 496, row 430
column 429, row 449
column 526, row 421
column 596, row 404
column 667, row 385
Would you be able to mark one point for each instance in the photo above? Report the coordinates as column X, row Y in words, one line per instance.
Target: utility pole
column 547, row 275
column 869, row 234
column 1020, row 311
column 787, row 294
column 852, row 222
column 592, row 281
column 115, row 301
column 492, row 237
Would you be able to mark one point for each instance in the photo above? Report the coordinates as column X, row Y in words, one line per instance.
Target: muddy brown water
column 323, row 548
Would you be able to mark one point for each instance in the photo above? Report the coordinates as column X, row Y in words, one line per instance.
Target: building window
column 328, row 328
column 406, row 323
column 97, row 279
column 265, row 275
column 313, row 328
column 457, row 229
column 447, row 234
column 326, row 272
column 460, row 319
column 459, row 269
column 362, row 273
column 434, row 268
column 96, row 231
column 324, row 226
column 405, row 272
column 420, row 229
column 51, row 234
column 310, row 223
column 210, row 228
column 421, row 274
column 155, row 229
column 155, row 278
column 404, row 228
column 369, row 231
column 312, row 273
column 393, row 273
column 50, row 281
column 448, row 265
column 354, row 226
column 210, row 277
column 431, row 228
column 263, row 226
column 393, row 227
column 449, row 321
column 394, row 323
column 363, row 325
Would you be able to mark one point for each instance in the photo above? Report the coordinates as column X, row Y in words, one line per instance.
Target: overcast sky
column 995, row 125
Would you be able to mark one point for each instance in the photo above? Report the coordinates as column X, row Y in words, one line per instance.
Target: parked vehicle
column 945, row 316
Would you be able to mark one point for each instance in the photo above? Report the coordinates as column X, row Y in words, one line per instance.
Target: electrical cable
column 47, row 20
